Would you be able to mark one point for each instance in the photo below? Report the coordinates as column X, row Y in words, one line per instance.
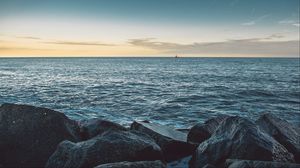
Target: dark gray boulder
column 238, row 138
column 202, row 131
column 110, row 146
column 29, row 135
column 172, row 142
column 94, row 127
column 139, row 164
column 234, row 163
column 284, row 132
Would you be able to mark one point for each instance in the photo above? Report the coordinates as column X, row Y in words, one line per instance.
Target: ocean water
column 177, row 92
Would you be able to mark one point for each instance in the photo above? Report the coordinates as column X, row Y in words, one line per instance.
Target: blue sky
column 143, row 27
column 173, row 11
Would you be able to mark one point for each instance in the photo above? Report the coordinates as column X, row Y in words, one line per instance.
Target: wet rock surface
column 239, row 138
column 111, row 146
column 285, row 133
column 35, row 137
column 172, row 142
column 140, row 164
column 94, row 127
column 233, row 163
column 202, row 131
column 29, row 135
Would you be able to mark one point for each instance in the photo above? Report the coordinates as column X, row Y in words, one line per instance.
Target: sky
column 192, row 28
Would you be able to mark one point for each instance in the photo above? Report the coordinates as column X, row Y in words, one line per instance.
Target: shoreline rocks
column 94, row 127
column 202, row 131
column 111, row 146
column 29, row 135
column 235, row 163
column 238, row 138
column 172, row 142
column 285, row 133
column 37, row 137
column 139, row 164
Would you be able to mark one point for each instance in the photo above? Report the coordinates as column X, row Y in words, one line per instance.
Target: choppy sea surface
column 177, row 92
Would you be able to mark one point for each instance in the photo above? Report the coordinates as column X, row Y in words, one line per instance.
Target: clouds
column 273, row 45
column 29, row 37
column 293, row 21
column 290, row 22
column 79, row 43
column 243, row 47
column 253, row 22
column 22, row 49
column 277, row 45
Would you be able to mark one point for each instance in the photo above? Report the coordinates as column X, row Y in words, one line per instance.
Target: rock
column 184, row 130
column 235, row 163
column 29, row 135
column 202, row 131
column 94, row 127
column 173, row 143
column 180, row 163
column 209, row 166
column 282, row 131
column 140, row 164
column 111, row 146
column 238, row 138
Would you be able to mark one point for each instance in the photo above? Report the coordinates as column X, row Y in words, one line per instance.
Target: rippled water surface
column 178, row 92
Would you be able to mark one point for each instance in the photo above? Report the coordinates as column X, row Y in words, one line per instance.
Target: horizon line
column 47, row 57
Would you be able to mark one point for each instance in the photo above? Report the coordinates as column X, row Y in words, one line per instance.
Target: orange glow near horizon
column 28, row 36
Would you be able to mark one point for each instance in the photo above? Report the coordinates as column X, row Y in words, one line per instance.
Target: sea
column 177, row 92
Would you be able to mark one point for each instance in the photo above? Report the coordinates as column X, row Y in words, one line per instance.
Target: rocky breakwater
column 39, row 137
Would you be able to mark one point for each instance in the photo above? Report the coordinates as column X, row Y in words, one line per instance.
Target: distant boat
column 176, row 56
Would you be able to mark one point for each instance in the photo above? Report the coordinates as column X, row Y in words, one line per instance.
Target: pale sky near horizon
column 206, row 28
